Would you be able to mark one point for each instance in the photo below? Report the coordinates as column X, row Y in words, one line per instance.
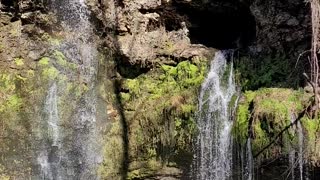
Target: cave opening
column 224, row 24
column 7, row 3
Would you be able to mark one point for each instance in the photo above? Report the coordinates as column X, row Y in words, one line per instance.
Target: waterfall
column 248, row 160
column 300, row 152
column 296, row 156
column 72, row 147
column 292, row 163
column 51, row 111
column 213, row 152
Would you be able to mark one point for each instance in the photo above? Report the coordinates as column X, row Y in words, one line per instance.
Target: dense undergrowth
column 270, row 71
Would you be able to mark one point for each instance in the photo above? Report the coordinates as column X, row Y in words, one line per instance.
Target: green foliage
column 270, row 71
column 311, row 126
column 240, row 129
column 62, row 61
column 312, row 134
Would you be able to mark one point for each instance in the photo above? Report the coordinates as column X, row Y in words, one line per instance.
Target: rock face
column 139, row 144
column 152, row 34
column 41, row 73
column 18, row 53
column 156, row 55
column 142, row 37
column 147, row 32
column 282, row 26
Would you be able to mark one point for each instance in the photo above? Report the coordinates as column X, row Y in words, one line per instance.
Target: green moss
column 240, row 129
column 125, row 97
column 60, row 58
column 19, row 61
column 111, row 166
column 311, row 128
column 133, row 85
column 81, row 89
column 10, row 101
column 20, row 77
column 50, row 73
column 44, row 61
column 188, row 108
column 14, row 102
column 270, row 110
column 163, row 98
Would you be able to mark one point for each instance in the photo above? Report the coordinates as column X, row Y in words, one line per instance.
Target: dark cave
column 7, row 2
column 219, row 24
column 8, row 5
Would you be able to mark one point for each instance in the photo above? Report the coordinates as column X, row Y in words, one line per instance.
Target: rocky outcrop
column 156, row 54
column 142, row 36
column 282, row 26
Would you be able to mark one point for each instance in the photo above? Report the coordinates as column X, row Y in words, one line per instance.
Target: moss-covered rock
column 159, row 108
column 15, row 142
column 29, row 66
column 312, row 145
column 264, row 113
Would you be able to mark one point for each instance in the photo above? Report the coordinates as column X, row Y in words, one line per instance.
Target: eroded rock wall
column 153, row 74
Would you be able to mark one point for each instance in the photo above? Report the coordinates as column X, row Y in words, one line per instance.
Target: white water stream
column 213, row 158
column 70, row 144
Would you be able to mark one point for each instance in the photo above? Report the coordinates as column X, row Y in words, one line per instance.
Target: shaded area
column 120, row 108
column 219, row 24
column 279, row 169
column 276, row 70
column 110, row 34
column 127, row 70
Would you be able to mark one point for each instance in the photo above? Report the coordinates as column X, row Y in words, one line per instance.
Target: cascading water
column 213, row 154
column 292, row 163
column 300, row 152
column 51, row 111
column 53, row 117
column 71, row 147
column 248, row 173
column 296, row 156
